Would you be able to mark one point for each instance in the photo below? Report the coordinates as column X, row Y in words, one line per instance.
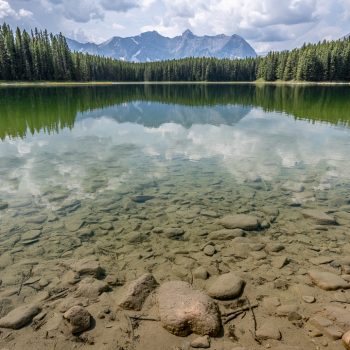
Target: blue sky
column 265, row 24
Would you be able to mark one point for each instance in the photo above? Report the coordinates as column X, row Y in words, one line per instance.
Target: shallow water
column 73, row 161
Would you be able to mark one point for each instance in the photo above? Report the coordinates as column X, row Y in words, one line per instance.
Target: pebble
column 309, row 299
column 201, row 342
column 200, row 273
column 226, row 286
column 268, row 330
column 209, row 250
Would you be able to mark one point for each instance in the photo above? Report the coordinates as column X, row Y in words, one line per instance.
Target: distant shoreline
column 111, row 83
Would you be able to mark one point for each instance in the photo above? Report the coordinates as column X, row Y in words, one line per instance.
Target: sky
column 265, row 24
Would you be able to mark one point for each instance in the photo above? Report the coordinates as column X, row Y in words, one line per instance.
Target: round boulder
column 226, row 286
column 184, row 310
column 79, row 319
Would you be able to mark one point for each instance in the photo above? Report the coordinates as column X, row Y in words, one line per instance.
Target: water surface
column 74, row 159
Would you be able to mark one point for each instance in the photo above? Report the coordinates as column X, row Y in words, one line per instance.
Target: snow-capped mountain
column 151, row 46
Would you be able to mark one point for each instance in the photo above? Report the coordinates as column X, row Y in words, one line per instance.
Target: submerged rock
column 242, row 221
column 319, row 216
column 226, row 286
column 268, row 330
column 225, row 234
column 136, row 292
column 141, row 198
column 19, row 317
column 327, row 280
column 91, row 288
column 89, row 266
column 184, row 310
column 201, row 342
column 79, row 319
column 173, row 232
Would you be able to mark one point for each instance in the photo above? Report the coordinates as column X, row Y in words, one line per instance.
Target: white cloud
column 7, row 11
column 266, row 24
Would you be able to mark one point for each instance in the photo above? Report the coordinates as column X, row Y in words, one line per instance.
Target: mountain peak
column 188, row 33
column 152, row 46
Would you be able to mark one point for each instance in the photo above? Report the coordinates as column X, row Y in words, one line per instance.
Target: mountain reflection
column 31, row 110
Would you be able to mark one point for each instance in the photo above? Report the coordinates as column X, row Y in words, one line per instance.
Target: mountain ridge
column 152, row 46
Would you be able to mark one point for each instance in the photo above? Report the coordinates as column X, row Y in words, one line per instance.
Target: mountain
column 151, row 46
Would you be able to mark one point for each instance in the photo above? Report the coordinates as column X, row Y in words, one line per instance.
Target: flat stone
column 79, row 319
column 320, row 260
column 327, row 327
column 201, row 342
column 30, row 235
column 173, row 232
column 210, row 213
column 73, row 223
column 226, row 286
column 88, row 266
column 91, row 288
column 319, row 216
column 136, row 292
column 184, row 310
column 242, row 221
column 225, row 234
column 19, row 317
column 327, row 280
column 268, row 330
column 39, row 219
column 141, row 198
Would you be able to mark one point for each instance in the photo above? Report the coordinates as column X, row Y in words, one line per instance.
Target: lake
column 142, row 178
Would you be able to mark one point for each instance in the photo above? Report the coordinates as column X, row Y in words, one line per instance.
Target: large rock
column 226, row 286
column 19, row 317
column 242, row 221
column 79, row 319
column 184, row 310
column 136, row 292
column 319, row 216
column 327, row 280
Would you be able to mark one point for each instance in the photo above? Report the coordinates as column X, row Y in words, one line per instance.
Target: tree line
column 42, row 56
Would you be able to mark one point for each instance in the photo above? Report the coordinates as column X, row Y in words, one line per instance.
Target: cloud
column 7, row 11
column 266, row 24
column 119, row 5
